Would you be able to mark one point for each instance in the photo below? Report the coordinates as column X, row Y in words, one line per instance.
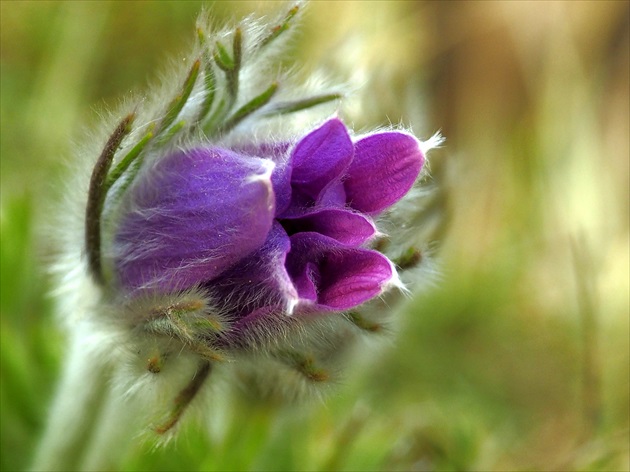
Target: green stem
column 76, row 409
column 112, row 433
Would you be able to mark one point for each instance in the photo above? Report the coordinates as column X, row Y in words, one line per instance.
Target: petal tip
column 290, row 305
column 433, row 142
column 385, row 167
column 264, row 178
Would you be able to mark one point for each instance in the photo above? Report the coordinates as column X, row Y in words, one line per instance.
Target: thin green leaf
column 231, row 65
column 211, row 124
column 291, row 107
column 411, row 258
column 281, row 28
column 222, row 58
column 237, row 48
column 126, row 161
column 209, row 85
column 184, row 397
column 179, row 101
column 305, row 364
column 201, row 36
column 362, row 323
column 250, row 107
column 170, row 134
column 96, row 196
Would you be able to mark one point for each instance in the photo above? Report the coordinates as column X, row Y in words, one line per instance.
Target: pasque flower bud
column 272, row 228
column 220, row 228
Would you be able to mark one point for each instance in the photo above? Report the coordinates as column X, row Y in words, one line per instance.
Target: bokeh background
column 517, row 358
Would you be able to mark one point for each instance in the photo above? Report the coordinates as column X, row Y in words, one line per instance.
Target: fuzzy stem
column 113, row 431
column 76, row 408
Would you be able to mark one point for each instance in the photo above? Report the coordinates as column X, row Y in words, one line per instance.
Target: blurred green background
column 517, row 359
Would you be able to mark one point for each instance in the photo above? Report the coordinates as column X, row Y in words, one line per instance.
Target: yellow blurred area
column 533, row 100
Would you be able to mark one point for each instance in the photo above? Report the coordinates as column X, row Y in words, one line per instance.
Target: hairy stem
column 75, row 410
column 114, row 430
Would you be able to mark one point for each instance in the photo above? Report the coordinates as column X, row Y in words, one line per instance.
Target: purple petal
column 281, row 177
column 306, row 282
column 384, row 168
column 332, row 196
column 343, row 225
column 353, row 276
column 260, row 279
column 345, row 277
column 321, row 158
column 281, row 181
column 192, row 216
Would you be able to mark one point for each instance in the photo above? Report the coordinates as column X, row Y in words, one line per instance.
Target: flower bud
column 207, row 233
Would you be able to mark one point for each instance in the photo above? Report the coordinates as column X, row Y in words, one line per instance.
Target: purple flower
column 271, row 228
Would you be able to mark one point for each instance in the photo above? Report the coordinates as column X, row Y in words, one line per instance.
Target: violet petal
column 260, row 279
column 353, row 276
column 281, row 181
column 278, row 152
column 384, row 168
column 342, row 225
column 346, row 277
column 321, row 157
column 306, row 282
column 334, row 195
column 192, row 216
